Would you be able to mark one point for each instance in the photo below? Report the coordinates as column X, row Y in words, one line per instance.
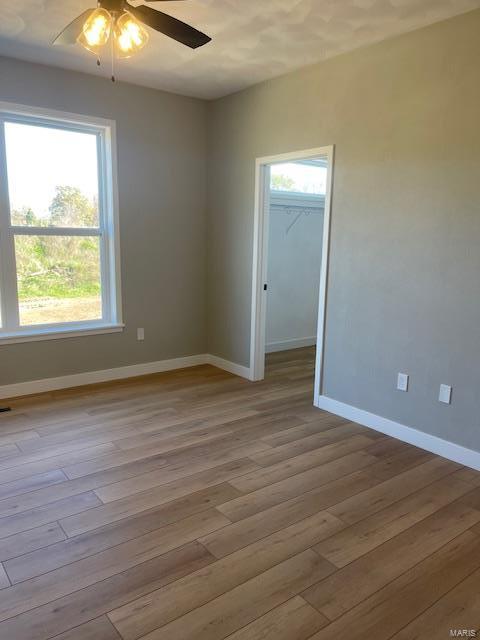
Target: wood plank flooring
column 194, row 505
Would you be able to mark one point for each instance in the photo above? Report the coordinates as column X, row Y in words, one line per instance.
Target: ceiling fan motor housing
column 113, row 5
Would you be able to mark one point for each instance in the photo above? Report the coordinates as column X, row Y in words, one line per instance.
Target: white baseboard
column 119, row 373
column 293, row 343
column 231, row 367
column 433, row 444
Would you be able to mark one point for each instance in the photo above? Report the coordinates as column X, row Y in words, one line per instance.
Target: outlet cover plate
column 445, row 394
column 402, row 382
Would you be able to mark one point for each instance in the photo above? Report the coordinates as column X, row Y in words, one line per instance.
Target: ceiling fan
column 122, row 24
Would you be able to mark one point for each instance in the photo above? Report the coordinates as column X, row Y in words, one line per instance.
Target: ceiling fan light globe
column 96, row 31
column 130, row 35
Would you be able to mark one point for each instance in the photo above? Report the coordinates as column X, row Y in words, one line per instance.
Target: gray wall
column 294, row 259
column 404, row 284
column 162, row 180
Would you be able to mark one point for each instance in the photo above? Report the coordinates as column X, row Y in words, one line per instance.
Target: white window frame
column 108, row 230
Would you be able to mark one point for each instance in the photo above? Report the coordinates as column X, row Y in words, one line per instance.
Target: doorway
column 290, row 261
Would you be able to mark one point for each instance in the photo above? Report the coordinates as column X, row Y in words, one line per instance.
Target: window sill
column 35, row 335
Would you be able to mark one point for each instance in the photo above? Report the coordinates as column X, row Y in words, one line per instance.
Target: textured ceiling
column 252, row 40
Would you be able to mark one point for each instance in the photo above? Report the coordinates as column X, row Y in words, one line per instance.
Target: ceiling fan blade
column 170, row 26
column 70, row 34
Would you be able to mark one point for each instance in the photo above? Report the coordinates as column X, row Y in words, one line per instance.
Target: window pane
column 52, row 176
column 299, row 177
column 58, row 279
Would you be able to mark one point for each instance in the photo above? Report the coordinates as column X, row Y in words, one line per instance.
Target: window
column 306, row 176
column 59, row 258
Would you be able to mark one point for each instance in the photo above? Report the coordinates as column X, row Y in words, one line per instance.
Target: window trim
column 108, row 230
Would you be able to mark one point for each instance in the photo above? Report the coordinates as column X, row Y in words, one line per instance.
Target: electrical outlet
column 445, row 394
column 402, row 382
column 140, row 334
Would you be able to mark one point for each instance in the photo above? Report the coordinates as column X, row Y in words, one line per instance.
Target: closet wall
column 294, row 259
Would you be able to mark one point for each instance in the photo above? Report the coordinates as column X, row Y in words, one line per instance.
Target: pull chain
column 113, row 56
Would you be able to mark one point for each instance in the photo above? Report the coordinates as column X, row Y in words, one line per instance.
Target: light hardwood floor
column 195, row 505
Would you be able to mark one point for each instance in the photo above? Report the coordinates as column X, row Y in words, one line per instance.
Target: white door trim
column 259, row 265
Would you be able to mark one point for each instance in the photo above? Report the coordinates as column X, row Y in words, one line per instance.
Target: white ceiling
column 252, row 40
